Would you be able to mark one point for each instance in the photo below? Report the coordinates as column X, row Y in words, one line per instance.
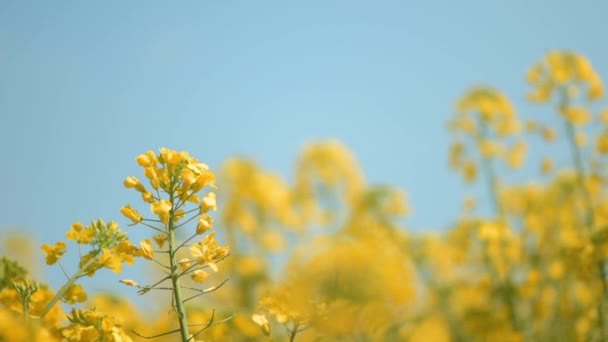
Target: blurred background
column 86, row 87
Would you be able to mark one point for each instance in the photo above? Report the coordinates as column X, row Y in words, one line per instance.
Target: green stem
column 26, row 305
column 293, row 332
column 177, row 290
column 67, row 285
column 493, row 184
column 589, row 219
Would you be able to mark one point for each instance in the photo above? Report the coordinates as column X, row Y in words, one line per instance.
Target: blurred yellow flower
column 54, row 253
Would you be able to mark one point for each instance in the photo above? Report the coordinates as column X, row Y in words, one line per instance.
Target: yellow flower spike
column 75, row 294
column 160, row 239
column 147, row 159
column 209, row 203
column 80, row 234
column 129, row 282
column 146, row 249
column 262, row 321
column 134, row 183
column 564, row 70
column 199, row 276
column 54, row 253
column 131, row 213
column 161, row 209
column 204, row 224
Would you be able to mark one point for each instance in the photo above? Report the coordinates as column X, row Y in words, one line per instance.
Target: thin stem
column 202, row 292
column 185, row 242
column 26, row 307
column 177, row 292
column 63, row 269
column 293, row 332
column 67, row 285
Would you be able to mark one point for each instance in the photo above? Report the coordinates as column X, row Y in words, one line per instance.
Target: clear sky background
column 87, row 86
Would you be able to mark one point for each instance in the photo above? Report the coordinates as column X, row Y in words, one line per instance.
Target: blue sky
column 87, row 86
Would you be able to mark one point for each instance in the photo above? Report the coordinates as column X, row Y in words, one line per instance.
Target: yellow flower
column 184, row 264
column 576, row 115
column 131, row 213
column 147, row 197
column 54, row 253
column 75, row 294
column 110, row 261
column 79, row 234
column 133, row 182
column 549, row 134
column 249, row 266
column 162, row 209
column 188, row 178
column 126, row 251
column 273, row 241
column 170, row 157
column 209, row 203
column 262, row 321
column 147, row 159
column 146, row 249
column 546, row 165
column 595, row 90
column 160, row 239
column 199, row 276
column 153, row 176
column 129, row 282
column 602, row 143
column 469, row 171
column 490, row 149
column 515, row 157
column 204, row 224
column 603, row 115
